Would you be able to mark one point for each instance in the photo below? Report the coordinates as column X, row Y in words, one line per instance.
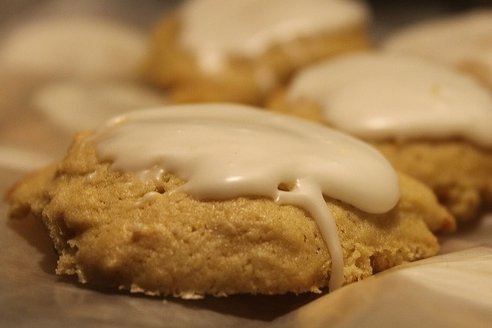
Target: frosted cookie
column 184, row 201
column 463, row 41
column 80, row 47
column 430, row 121
column 75, row 105
column 223, row 50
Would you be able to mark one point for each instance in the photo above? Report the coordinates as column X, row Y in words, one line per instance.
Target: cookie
column 430, row 121
column 81, row 47
column 238, row 50
column 76, row 105
column 462, row 41
column 186, row 201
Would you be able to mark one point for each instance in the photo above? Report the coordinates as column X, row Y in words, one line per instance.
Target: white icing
column 378, row 95
column 215, row 29
column 75, row 105
column 225, row 151
column 148, row 197
column 453, row 40
column 73, row 46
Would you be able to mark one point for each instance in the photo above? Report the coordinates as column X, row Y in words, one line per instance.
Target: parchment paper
column 453, row 289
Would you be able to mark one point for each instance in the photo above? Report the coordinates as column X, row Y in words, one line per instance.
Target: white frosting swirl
column 383, row 95
column 225, row 151
column 215, row 29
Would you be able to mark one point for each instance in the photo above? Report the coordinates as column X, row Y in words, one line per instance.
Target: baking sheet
column 452, row 289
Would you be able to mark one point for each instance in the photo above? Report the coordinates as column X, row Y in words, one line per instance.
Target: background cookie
column 462, row 41
column 430, row 121
column 75, row 105
column 77, row 47
column 238, row 50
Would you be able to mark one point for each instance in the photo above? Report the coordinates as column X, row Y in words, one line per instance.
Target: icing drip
column 214, row 29
column 307, row 195
column 378, row 95
column 225, row 151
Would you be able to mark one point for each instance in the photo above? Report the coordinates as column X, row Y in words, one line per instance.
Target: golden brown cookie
column 449, row 151
column 237, row 51
column 107, row 234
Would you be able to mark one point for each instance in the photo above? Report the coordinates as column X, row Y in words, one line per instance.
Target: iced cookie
column 222, row 50
column 226, row 199
column 81, row 47
column 74, row 105
column 463, row 41
column 430, row 121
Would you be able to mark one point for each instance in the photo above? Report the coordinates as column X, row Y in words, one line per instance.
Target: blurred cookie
column 429, row 120
column 185, row 201
column 463, row 41
column 222, row 50
column 80, row 47
column 22, row 129
column 75, row 105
